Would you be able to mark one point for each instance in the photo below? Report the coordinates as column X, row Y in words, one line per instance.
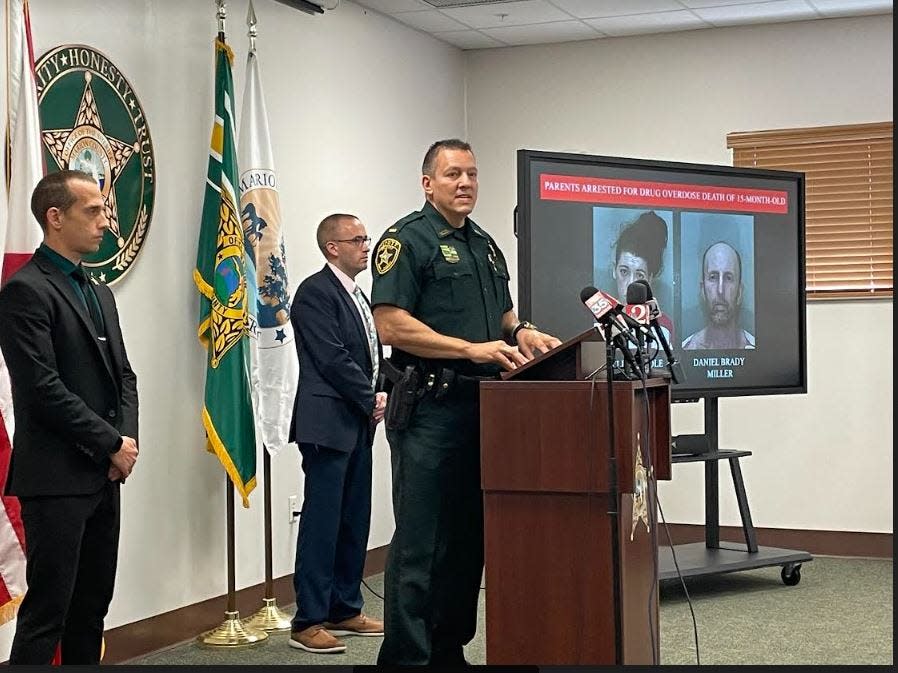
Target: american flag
column 19, row 236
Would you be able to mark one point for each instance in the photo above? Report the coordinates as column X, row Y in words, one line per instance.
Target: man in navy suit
column 75, row 402
column 334, row 418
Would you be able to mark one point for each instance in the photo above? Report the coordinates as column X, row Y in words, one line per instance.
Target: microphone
column 638, row 311
column 676, row 370
column 605, row 310
column 637, row 303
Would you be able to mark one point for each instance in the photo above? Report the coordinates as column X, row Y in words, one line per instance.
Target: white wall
column 349, row 130
column 821, row 460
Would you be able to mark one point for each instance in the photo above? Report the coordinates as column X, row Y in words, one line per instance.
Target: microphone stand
column 614, row 511
column 642, row 355
column 673, row 365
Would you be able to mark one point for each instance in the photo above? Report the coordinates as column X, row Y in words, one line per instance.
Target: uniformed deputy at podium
column 441, row 300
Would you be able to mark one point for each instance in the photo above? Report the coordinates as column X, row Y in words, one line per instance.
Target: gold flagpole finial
column 251, row 24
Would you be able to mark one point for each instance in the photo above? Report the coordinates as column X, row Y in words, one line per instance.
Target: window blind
column 848, row 201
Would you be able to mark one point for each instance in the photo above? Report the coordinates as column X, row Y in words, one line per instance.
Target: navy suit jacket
column 335, row 396
column 72, row 399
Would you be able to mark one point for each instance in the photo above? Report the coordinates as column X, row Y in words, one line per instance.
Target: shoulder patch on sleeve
column 386, row 255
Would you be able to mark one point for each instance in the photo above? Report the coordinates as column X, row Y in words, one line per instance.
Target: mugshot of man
column 721, row 292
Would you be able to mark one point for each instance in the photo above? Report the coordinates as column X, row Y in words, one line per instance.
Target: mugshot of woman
column 639, row 255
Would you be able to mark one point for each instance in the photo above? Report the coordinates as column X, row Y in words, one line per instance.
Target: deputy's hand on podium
column 532, row 342
column 508, row 357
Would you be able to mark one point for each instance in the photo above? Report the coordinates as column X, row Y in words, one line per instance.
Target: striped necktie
column 370, row 330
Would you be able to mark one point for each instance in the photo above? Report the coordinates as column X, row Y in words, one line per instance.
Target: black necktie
column 90, row 299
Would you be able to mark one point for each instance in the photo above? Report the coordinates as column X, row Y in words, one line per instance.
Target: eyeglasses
column 358, row 241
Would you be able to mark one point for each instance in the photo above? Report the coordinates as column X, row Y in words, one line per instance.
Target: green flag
column 220, row 277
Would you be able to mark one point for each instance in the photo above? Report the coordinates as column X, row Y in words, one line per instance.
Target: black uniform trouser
column 71, row 549
column 435, row 562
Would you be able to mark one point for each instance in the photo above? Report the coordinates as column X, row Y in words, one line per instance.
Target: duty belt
column 440, row 382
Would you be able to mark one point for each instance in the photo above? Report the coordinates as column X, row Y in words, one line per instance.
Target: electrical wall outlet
column 292, row 510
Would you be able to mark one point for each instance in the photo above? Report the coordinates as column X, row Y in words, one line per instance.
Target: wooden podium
column 570, row 574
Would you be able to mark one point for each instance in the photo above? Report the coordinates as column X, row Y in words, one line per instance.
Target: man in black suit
column 336, row 411
column 75, row 402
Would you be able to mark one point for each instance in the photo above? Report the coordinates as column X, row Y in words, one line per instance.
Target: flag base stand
column 269, row 617
column 232, row 633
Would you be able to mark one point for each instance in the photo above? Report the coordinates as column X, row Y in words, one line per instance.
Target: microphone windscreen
column 586, row 293
column 648, row 288
column 636, row 293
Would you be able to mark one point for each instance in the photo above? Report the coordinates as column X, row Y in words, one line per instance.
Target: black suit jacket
column 335, row 397
column 72, row 401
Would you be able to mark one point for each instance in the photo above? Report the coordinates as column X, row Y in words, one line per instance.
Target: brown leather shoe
column 316, row 639
column 360, row 625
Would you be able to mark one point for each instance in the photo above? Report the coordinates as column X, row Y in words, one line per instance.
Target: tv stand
column 711, row 557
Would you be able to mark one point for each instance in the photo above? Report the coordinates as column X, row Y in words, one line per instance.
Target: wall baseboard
column 177, row 626
column 819, row 542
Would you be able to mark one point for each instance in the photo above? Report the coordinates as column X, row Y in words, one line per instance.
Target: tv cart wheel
column 791, row 574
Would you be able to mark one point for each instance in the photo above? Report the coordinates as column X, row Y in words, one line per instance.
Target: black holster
column 402, row 400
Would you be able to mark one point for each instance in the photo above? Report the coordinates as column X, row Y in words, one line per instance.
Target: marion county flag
column 22, row 168
column 275, row 365
column 221, row 278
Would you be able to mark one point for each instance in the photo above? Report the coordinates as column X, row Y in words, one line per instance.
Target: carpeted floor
column 839, row 613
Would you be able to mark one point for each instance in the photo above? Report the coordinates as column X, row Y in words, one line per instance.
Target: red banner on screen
column 671, row 195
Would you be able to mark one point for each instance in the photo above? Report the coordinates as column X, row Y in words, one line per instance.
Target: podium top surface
column 576, row 384
column 590, row 335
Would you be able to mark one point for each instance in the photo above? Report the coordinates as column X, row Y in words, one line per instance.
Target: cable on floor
column 371, row 590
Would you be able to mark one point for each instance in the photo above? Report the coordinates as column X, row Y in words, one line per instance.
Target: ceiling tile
column 499, row 15
column 558, row 31
column 700, row 4
column 429, row 21
column 545, row 21
column 468, row 39
column 661, row 22
column 393, row 6
column 834, row 8
column 757, row 12
column 587, row 9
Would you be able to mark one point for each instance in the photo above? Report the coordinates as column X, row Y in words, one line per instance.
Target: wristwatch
column 522, row 325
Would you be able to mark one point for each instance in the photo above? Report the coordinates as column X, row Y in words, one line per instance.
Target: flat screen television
column 722, row 249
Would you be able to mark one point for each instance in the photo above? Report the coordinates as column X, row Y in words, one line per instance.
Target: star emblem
column 387, row 254
column 86, row 147
column 280, row 336
column 92, row 121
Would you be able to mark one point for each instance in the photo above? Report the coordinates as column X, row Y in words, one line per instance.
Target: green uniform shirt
column 455, row 281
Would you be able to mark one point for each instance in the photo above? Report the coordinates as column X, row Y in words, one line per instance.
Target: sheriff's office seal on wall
column 92, row 121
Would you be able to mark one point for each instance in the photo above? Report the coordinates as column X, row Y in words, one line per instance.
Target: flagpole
column 269, row 617
column 232, row 560
column 232, row 632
